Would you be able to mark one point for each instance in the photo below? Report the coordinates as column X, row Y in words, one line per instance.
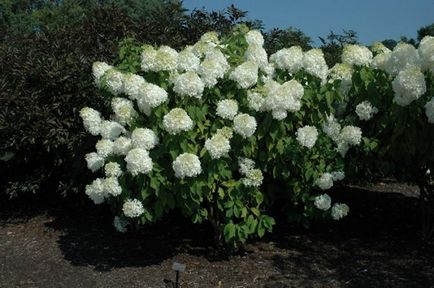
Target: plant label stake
column 178, row 267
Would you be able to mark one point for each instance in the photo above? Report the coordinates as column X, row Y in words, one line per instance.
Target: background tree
column 277, row 38
column 333, row 44
column 425, row 31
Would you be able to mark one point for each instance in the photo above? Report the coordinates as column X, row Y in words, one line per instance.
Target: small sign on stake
column 178, row 267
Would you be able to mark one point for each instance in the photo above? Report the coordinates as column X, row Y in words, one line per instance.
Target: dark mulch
column 74, row 245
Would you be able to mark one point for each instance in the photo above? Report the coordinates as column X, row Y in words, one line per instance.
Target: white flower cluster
column 112, row 169
column 166, row 59
column 244, row 125
column 325, row 181
column 365, row 110
column 91, row 120
column 213, row 67
column 344, row 73
column 186, row 165
column 343, row 137
column 98, row 70
column 253, row 177
column 408, row 86
column 217, row 146
column 187, row 60
column 226, row 132
column 281, row 98
column 144, row 138
column 120, row 224
column 176, row 121
column 122, row 145
column 339, row 211
column 227, row 109
column 379, row 48
column 189, row 84
column 133, row 208
column 114, row 81
column 152, row 96
column 111, row 129
column 289, row 59
column 426, row 53
column 323, row 202
column 245, row 165
column 255, row 101
column 100, row 189
column 403, row 56
column 315, row 64
column 94, row 161
column 246, row 74
column 138, row 161
column 254, row 37
column 307, row 136
column 429, row 110
column 124, row 110
column 255, row 52
column 104, row 147
column 133, row 85
column 356, row 55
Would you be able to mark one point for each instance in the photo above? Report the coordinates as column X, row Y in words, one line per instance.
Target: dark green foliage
column 276, row 39
column 425, row 31
column 389, row 43
column 46, row 78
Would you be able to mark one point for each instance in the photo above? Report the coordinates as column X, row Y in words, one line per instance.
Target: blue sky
column 372, row 20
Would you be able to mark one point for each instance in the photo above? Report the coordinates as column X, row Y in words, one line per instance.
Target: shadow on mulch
column 88, row 237
column 377, row 245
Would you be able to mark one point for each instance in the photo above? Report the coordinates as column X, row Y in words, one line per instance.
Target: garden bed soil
column 74, row 245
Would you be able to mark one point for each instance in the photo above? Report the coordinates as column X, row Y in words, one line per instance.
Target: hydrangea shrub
column 201, row 129
column 391, row 98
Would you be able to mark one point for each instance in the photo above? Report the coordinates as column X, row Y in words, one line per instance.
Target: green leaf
column 229, row 231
